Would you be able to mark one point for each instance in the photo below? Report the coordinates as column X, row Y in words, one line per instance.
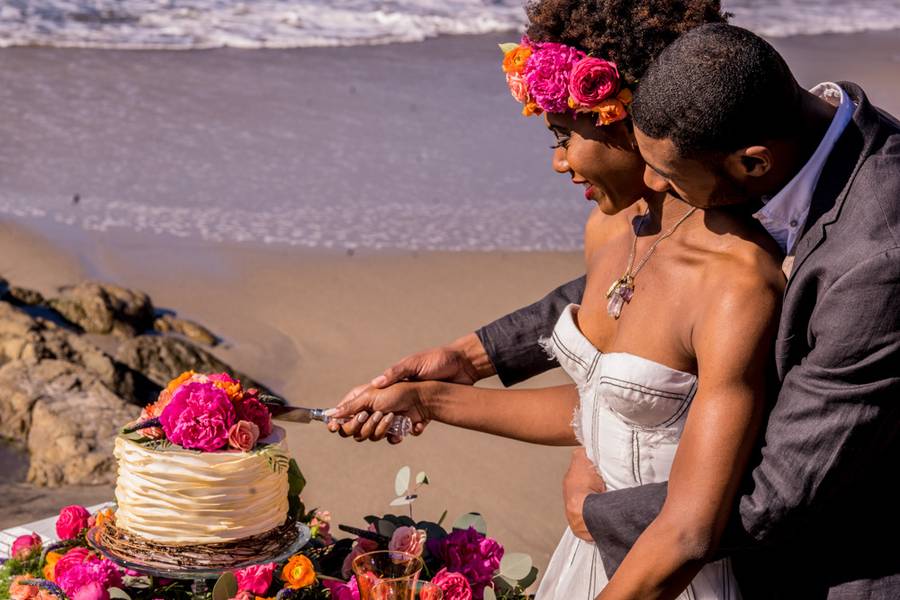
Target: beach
column 325, row 212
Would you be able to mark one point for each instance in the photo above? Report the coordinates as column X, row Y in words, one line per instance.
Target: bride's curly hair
column 631, row 33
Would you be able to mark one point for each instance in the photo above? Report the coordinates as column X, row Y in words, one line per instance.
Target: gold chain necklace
column 622, row 289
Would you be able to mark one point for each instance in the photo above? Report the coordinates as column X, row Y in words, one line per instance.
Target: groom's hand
column 369, row 411
column 580, row 481
column 462, row 361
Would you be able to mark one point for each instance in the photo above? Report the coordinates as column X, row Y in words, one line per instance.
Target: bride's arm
column 540, row 416
column 732, row 341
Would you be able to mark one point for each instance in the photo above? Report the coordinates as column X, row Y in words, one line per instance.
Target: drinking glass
column 406, row 590
column 385, row 566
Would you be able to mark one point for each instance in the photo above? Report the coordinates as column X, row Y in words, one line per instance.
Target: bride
column 668, row 349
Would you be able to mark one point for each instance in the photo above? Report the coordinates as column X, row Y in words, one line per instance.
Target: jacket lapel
column 840, row 169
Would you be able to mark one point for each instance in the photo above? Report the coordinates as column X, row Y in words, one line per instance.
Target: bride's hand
column 371, row 410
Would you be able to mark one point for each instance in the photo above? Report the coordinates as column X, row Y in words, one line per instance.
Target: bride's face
column 603, row 159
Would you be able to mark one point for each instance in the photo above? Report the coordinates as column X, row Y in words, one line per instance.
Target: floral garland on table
column 556, row 78
column 464, row 562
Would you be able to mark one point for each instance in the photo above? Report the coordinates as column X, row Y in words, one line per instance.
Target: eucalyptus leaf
column 403, row 501
column 115, row 592
column 508, row 46
column 516, row 565
column 401, row 481
column 503, row 585
column 489, row 594
column 529, row 579
column 226, row 587
column 296, row 480
column 471, row 519
column 385, row 528
column 421, row 478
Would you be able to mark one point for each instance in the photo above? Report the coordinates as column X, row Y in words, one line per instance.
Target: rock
column 31, row 340
column 73, row 420
column 162, row 359
column 23, row 296
column 189, row 329
column 105, row 308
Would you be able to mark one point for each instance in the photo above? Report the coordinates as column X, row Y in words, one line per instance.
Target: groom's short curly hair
column 631, row 33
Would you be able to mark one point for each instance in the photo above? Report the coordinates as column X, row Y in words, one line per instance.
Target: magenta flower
column 453, row 585
column 342, row 591
column 592, row 81
column 198, row 417
column 25, row 545
column 470, row 553
column 251, row 409
column 547, row 74
column 81, row 571
column 256, row 578
column 72, row 520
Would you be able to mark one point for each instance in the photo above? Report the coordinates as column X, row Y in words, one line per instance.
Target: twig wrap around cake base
column 139, row 552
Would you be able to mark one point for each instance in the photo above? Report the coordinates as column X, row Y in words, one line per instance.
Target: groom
column 720, row 120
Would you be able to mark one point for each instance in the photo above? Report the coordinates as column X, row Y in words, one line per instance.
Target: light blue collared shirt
column 784, row 215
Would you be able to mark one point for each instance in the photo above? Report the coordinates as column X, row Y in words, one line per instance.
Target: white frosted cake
column 178, row 496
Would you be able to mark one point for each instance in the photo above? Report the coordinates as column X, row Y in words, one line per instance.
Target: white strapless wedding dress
column 630, row 417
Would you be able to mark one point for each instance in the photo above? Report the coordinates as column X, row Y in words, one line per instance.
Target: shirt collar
column 784, row 215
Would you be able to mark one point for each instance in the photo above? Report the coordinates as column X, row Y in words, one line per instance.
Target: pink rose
column 91, row 591
column 256, row 578
column 470, row 553
column 592, row 81
column 454, row 585
column 71, row 522
column 342, row 591
column 547, row 74
column 321, row 523
column 198, row 417
column 25, row 545
column 517, row 87
column 251, row 409
column 409, row 540
column 243, row 435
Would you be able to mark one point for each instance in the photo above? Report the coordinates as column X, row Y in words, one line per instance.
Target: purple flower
column 198, row 417
column 470, row 553
column 547, row 74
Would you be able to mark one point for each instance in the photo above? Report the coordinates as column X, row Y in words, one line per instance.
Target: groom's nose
column 655, row 181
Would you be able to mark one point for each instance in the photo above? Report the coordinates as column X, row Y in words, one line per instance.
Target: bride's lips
column 588, row 192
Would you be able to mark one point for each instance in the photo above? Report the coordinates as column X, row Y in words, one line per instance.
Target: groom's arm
column 829, row 438
column 511, row 342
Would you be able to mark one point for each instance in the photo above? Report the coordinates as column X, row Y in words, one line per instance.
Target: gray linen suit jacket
column 819, row 516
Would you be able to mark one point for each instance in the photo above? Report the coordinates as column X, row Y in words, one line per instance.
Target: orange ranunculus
column 176, row 383
column 50, row 566
column 514, row 60
column 107, row 515
column 298, row 572
column 232, row 388
column 625, row 96
column 531, row 109
column 610, row 111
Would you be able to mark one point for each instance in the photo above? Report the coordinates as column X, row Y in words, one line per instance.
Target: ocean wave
column 200, row 24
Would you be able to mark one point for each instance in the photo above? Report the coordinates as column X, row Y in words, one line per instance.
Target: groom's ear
column 750, row 162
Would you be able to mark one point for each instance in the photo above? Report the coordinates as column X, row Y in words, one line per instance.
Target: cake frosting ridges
column 179, row 496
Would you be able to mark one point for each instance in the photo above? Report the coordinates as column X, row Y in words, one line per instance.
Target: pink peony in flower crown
column 207, row 413
column 552, row 77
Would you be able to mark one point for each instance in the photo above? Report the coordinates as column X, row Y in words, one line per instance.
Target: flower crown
column 557, row 78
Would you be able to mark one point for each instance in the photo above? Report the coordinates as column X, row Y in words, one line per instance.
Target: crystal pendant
column 620, row 294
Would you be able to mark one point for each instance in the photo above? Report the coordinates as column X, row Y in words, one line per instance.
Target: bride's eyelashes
column 561, row 142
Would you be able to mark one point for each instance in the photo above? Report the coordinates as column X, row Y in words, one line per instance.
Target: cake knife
column 280, row 409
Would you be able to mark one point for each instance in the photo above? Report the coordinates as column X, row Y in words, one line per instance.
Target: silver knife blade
column 296, row 414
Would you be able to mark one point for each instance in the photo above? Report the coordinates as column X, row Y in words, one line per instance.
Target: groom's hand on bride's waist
column 581, row 480
column 368, row 411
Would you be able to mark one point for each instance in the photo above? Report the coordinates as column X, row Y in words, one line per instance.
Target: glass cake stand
column 198, row 576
